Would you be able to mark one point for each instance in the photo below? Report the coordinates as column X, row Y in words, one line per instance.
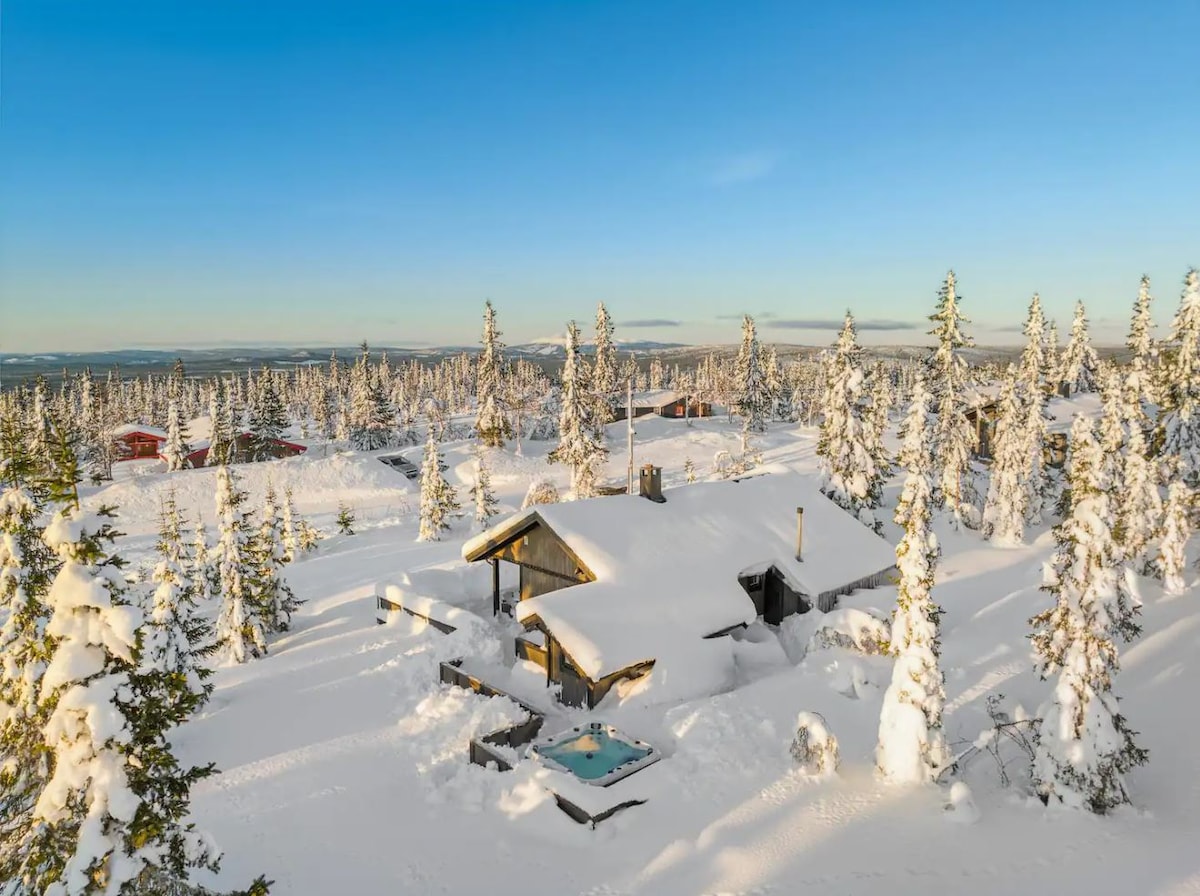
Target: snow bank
column 318, row 485
column 430, row 608
column 852, row 629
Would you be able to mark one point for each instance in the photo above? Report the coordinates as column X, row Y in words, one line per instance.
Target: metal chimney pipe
column 799, row 533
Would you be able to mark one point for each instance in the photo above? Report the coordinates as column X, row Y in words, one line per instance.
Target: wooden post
column 495, row 585
column 799, row 533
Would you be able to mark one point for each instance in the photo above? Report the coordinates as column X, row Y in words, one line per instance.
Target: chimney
column 650, row 483
column 799, row 533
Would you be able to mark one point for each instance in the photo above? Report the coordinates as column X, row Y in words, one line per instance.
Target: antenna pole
column 629, row 430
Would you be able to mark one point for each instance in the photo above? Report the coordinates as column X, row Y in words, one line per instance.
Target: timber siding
column 546, row 563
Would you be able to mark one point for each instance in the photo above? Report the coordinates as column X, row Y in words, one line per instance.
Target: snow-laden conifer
column 912, row 746
column 851, row 479
column 176, row 447
column 1179, row 422
column 484, row 499
column 202, row 576
column 1170, row 559
column 438, row 498
column 1005, row 509
column 1139, row 504
column 1143, row 360
column 239, row 633
column 579, row 445
column 953, row 436
column 491, row 423
column 605, row 372
column 289, row 531
column 176, row 639
column 272, row 598
column 753, row 400
column 1080, row 364
column 1084, row 746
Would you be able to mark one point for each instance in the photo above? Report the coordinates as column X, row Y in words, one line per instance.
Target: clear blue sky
column 178, row 173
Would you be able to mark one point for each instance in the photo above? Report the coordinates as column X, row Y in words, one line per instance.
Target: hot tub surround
column 595, row 753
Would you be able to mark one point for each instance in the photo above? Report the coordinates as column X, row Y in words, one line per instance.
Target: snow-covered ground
column 344, row 762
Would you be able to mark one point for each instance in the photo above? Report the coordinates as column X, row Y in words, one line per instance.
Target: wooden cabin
column 665, row 403
column 613, row 588
column 137, row 442
column 245, row 450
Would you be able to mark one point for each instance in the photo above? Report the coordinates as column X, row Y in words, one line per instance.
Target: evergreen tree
column 26, row 568
column 851, row 479
column 1139, row 381
column 202, row 576
column 1170, row 558
column 1005, row 509
column 491, row 424
column 289, row 531
column 1084, row 746
column 438, row 500
column 1140, row 509
column 112, row 817
column 953, row 437
column 1053, row 357
column 239, row 633
column 578, row 447
column 486, row 505
column 268, row 418
column 220, row 443
column 689, row 470
column 176, row 448
column 1035, row 375
column 912, row 746
column 1179, row 422
column 176, row 639
column 272, row 598
column 1080, row 365
column 604, row 370
column 1033, row 356
column 876, row 422
column 346, row 518
column 753, row 401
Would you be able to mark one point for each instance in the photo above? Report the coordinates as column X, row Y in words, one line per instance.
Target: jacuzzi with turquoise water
column 595, row 753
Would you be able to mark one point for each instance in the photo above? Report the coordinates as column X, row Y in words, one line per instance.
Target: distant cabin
column 611, row 588
column 244, row 450
column 664, row 403
column 137, row 442
column 985, row 413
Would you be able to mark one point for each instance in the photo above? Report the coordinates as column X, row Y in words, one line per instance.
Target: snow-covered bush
column 961, row 808
column 541, row 491
column 852, row 629
column 814, row 747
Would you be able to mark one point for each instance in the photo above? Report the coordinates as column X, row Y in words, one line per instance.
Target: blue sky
column 182, row 173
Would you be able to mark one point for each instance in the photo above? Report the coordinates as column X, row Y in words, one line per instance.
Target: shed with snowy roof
column 614, row 587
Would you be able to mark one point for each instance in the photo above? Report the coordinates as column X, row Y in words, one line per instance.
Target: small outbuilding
column 665, row 403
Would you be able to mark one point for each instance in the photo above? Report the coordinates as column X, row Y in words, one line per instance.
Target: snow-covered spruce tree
column 345, row 519
column 289, row 531
column 1053, row 357
column 486, row 505
column 877, row 418
column 112, row 815
column 239, row 634
column 370, row 418
column 202, row 577
column 438, row 500
column 753, row 400
column 176, row 448
column 1080, row 365
column 1084, row 746
column 1140, row 508
column 272, row 598
column 268, row 417
column 221, row 444
column 912, row 746
column 953, row 436
column 1035, row 374
column 605, row 389
column 176, row 640
column 579, row 446
column 851, row 479
column 26, row 568
column 1170, row 557
column 689, row 470
column 1140, row 377
column 1005, row 508
column 541, row 490
column 491, row 423
column 1179, row 422
column 1110, row 433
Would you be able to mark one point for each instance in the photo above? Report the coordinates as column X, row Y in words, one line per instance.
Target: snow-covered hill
column 345, row 762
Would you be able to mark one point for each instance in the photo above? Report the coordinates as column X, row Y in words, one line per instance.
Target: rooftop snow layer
column 667, row 574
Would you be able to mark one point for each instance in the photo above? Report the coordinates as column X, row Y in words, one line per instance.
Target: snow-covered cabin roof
column 1065, row 410
column 655, row 398
column 129, row 429
column 667, row 574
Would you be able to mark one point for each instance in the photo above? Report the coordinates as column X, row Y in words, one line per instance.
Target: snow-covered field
column 344, row 762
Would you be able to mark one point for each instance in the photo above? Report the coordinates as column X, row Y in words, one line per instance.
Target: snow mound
column 961, row 809
column 852, row 629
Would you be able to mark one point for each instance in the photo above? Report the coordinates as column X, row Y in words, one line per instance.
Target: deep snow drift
column 345, row 762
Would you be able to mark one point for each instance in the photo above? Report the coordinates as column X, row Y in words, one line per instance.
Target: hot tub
column 595, row 753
